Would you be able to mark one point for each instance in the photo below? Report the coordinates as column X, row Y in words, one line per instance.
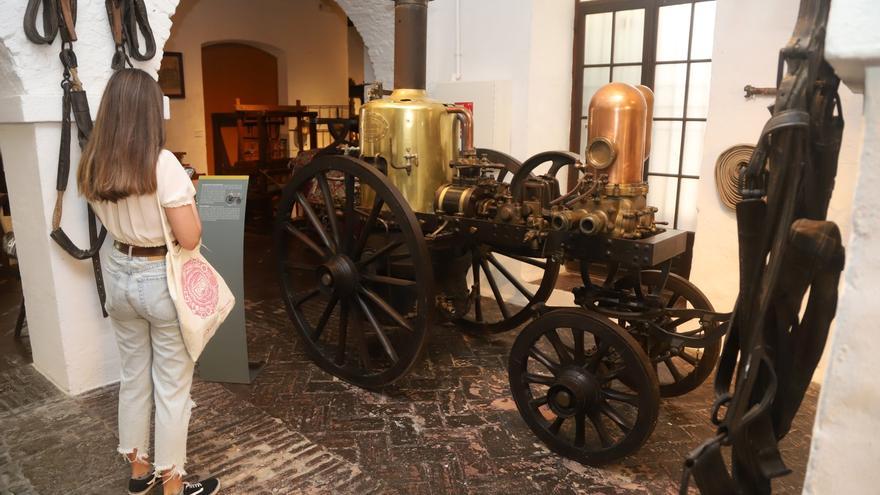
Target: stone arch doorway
column 232, row 70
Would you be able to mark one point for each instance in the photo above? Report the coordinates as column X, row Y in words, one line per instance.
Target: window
column 666, row 45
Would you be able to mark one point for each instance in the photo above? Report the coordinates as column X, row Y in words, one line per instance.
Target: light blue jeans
column 156, row 368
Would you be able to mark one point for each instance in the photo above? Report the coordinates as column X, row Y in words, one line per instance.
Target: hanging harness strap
column 59, row 18
column 128, row 19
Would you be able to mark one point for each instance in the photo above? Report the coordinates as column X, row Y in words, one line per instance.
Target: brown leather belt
column 139, row 251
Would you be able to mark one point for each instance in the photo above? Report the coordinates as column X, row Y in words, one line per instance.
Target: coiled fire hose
column 728, row 168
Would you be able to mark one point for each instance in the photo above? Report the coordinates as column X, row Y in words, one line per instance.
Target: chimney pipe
column 410, row 43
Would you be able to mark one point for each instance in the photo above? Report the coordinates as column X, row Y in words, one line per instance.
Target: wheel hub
column 339, row 276
column 575, row 391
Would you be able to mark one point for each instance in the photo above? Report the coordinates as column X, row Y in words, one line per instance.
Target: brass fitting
column 566, row 219
column 593, row 223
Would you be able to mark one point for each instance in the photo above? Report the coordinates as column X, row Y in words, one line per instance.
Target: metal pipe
column 466, row 124
column 410, row 43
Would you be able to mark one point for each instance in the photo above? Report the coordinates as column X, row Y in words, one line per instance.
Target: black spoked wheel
column 680, row 366
column 512, row 299
column 584, row 386
column 354, row 271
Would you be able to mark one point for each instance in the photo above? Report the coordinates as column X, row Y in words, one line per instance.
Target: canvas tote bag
column 201, row 296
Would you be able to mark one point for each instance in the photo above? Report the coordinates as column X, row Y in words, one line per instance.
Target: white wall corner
column 853, row 40
column 845, row 451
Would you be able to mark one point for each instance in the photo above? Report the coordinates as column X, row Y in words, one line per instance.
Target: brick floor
column 53, row 444
column 451, row 426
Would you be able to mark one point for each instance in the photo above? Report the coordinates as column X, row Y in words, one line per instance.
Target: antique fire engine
column 376, row 242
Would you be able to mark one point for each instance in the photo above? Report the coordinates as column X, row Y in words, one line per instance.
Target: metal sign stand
column 222, row 201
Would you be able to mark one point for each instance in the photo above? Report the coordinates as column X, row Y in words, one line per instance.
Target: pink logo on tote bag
column 200, row 288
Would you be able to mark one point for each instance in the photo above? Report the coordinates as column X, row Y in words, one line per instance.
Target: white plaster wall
column 374, row 19
column 38, row 66
column 550, row 77
column 309, row 38
column 845, row 451
column 748, row 36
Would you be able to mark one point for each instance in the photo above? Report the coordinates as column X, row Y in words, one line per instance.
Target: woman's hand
column 185, row 225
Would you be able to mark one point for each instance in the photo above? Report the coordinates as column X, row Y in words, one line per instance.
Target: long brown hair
column 120, row 157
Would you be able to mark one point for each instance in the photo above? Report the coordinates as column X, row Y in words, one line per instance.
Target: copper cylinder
column 649, row 118
column 616, row 133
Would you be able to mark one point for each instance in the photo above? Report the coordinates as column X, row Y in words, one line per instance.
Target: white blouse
column 135, row 220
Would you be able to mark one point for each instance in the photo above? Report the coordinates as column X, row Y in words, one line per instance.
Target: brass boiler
column 619, row 133
column 416, row 138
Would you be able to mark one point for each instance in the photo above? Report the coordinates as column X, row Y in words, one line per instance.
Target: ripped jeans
column 155, row 365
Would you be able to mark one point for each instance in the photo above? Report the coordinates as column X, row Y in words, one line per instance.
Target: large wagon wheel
column 680, row 367
column 354, row 271
column 489, row 266
column 584, row 386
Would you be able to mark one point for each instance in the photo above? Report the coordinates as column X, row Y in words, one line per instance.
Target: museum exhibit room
column 439, row 247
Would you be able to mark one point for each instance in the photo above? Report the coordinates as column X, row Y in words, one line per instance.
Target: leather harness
column 787, row 247
column 59, row 18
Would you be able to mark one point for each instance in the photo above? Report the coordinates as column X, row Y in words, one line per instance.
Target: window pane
column 669, row 82
column 704, row 30
column 629, row 28
column 597, row 39
column 583, row 143
column 665, row 147
column 698, row 100
column 661, row 193
column 673, row 27
column 594, row 78
column 694, row 134
column 687, row 205
column 630, row 74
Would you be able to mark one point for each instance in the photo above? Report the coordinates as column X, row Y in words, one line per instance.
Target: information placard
column 221, row 200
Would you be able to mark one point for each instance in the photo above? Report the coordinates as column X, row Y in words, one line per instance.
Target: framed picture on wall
column 171, row 75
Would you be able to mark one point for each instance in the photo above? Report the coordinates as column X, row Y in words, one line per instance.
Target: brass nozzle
column 566, row 219
column 593, row 223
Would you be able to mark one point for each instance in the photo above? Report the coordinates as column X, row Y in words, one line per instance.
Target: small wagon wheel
column 511, row 164
column 558, row 160
column 506, row 312
column 354, row 271
column 680, row 367
column 584, row 386
column 491, row 266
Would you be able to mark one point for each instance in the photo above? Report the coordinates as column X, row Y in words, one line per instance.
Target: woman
column 122, row 171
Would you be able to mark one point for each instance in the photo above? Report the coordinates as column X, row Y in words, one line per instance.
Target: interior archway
column 234, row 71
